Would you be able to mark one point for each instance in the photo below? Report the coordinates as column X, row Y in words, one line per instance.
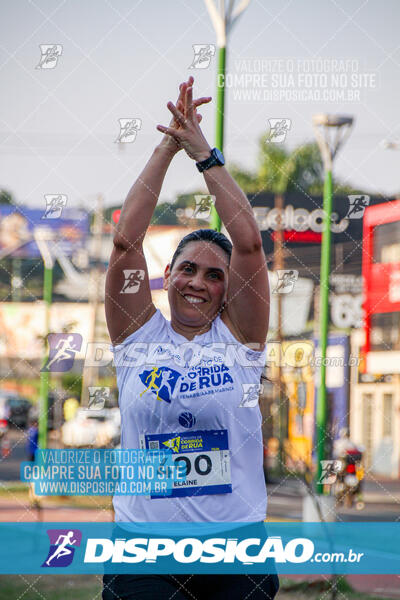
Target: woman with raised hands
column 218, row 294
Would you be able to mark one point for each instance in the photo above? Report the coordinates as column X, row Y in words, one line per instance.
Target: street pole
column 219, row 123
column 42, row 235
column 223, row 21
column 90, row 374
column 323, row 126
column 279, row 396
column 44, row 375
column 321, row 416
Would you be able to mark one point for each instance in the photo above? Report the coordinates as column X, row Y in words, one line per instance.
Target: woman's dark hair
column 203, row 235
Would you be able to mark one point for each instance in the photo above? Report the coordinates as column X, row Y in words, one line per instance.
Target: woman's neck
column 187, row 331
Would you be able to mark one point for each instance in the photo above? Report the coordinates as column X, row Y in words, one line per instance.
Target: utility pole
column 43, row 235
column 223, row 21
column 280, row 398
column 89, row 374
column 330, row 132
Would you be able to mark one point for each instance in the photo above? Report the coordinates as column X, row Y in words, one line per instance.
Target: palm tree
column 281, row 171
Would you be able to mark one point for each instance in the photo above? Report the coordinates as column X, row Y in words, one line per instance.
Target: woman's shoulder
column 232, row 332
column 153, row 324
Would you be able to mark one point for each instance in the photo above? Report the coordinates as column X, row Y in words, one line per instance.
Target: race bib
column 205, row 456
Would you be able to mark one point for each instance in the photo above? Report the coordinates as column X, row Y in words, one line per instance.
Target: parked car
column 100, row 428
column 4, row 415
column 15, row 409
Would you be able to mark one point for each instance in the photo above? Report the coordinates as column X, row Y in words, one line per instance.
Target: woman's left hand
column 186, row 131
column 169, row 142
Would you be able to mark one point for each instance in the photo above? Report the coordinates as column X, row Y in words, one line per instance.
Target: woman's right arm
column 129, row 306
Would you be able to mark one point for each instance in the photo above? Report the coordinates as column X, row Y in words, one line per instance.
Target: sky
column 124, row 59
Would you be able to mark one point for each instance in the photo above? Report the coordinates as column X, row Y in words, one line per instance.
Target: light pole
column 223, row 21
column 43, row 235
column 331, row 131
column 390, row 145
column 90, row 374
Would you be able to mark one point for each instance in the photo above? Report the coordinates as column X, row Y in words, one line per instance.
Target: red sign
column 116, row 214
column 381, row 262
column 300, row 237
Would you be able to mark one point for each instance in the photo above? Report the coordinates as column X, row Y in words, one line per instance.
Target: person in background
column 344, row 444
column 70, row 408
column 32, row 440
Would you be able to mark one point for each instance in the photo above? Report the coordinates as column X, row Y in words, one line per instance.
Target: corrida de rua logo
column 162, row 381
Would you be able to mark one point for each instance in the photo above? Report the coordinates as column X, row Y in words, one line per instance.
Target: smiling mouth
column 194, row 299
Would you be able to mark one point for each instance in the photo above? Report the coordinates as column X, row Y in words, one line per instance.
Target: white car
column 99, row 428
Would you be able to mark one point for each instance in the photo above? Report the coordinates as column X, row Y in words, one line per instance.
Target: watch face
column 219, row 156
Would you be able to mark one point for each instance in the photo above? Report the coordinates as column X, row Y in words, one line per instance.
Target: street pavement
column 382, row 503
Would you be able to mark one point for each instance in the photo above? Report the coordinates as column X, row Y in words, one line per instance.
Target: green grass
column 50, row 587
column 320, row 590
column 14, row 488
column 88, row 587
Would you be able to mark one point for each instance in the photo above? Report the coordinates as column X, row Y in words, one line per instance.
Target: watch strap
column 208, row 162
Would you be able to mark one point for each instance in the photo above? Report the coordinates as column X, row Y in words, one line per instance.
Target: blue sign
column 17, row 223
column 101, row 472
column 338, row 361
column 148, row 548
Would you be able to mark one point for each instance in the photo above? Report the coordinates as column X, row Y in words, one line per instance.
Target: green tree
column 6, row 197
column 250, row 182
column 305, row 171
column 280, row 171
column 167, row 213
column 72, row 384
column 164, row 214
column 272, row 170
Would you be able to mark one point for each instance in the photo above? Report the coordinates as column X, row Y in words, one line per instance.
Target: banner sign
column 102, row 472
column 302, row 219
column 17, row 224
column 292, row 548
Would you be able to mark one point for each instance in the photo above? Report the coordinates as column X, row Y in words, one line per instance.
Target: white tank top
column 201, row 404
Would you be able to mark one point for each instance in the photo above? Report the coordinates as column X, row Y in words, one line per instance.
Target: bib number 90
column 202, row 464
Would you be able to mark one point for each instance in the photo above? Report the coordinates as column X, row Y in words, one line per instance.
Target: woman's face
column 198, row 283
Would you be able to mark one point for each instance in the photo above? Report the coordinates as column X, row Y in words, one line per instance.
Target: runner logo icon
column 63, row 347
column 357, row 205
column 173, row 444
column 161, row 381
column 62, row 547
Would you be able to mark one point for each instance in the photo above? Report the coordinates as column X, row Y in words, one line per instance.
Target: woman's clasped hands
column 184, row 129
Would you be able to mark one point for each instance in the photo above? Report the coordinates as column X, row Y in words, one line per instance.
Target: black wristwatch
column 216, row 158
